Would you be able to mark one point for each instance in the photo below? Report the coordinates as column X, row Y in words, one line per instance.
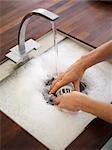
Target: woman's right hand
column 73, row 74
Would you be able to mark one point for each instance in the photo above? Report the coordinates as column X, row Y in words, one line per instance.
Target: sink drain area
column 50, row 98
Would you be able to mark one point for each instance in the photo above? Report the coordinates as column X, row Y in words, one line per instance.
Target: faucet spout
column 21, row 36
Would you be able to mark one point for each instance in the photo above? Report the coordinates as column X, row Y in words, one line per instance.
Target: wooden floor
column 88, row 21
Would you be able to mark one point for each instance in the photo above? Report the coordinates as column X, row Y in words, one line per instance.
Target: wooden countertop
column 90, row 22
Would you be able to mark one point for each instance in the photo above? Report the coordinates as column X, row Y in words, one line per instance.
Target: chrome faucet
column 22, row 50
column 21, row 37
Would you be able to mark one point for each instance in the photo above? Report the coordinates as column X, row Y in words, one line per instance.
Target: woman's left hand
column 71, row 101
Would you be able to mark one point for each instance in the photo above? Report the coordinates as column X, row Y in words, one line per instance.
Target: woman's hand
column 73, row 74
column 76, row 101
column 71, row 101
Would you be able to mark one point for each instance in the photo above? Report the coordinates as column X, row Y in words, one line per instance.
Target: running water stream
column 50, row 98
column 55, row 46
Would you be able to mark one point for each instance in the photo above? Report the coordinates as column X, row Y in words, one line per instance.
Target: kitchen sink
column 21, row 89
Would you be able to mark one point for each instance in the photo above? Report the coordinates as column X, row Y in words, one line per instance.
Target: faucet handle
column 43, row 12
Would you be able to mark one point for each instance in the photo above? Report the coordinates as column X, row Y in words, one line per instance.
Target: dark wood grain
column 90, row 22
column 94, row 137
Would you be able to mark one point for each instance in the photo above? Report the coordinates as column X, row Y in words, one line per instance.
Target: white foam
column 21, row 97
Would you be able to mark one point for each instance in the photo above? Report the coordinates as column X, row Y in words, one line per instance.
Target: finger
column 58, row 85
column 55, row 87
column 55, row 81
column 77, row 86
column 60, row 76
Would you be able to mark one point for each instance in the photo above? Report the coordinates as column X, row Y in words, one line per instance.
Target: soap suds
column 22, row 100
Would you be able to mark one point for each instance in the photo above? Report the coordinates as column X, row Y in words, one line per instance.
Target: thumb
column 77, row 86
column 57, row 86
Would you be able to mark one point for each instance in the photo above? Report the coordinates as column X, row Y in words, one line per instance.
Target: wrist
column 84, row 105
column 78, row 100
column 82, row 63
column 87, row 104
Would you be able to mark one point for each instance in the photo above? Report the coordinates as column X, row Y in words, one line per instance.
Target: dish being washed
column 50, row 98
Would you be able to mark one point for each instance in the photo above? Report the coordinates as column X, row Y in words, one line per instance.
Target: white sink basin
column 21, row 98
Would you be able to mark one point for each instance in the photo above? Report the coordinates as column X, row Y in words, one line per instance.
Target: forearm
column 102, row 53
column 99, row 109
